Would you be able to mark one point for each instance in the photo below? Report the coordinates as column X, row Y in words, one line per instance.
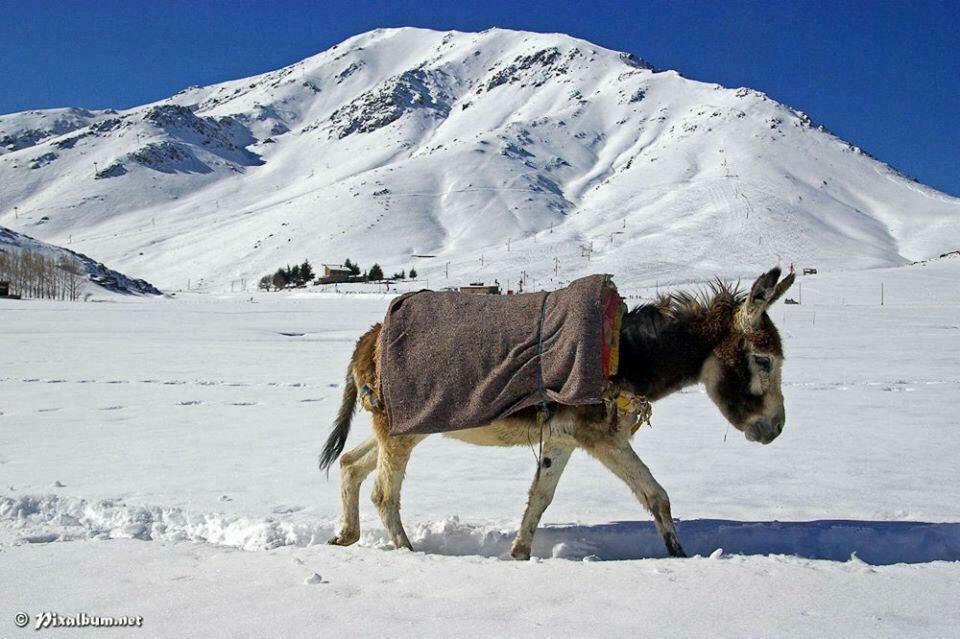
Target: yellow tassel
column 621, row 403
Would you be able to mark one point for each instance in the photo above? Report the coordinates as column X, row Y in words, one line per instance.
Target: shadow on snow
column 874, row 542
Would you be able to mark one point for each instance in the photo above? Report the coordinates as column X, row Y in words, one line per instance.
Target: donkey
column 721, row 337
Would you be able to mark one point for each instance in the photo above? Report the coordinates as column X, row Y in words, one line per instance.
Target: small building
column 333, row 270
column 334, row 273
column 479, row 288
column 6, row 291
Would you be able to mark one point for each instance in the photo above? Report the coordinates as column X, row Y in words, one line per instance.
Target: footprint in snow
column 286, row 510
column 47, row 410
column 112, row 408
column 243, row 403
column 58, row 484
column 190, row 402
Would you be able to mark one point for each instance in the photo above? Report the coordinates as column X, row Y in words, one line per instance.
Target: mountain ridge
column 91, row 271
column 502, row 153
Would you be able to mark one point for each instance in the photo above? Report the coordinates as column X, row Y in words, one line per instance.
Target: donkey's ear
column 781, row 288
column 762, row 292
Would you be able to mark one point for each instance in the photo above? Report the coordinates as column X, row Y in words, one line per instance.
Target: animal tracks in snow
column 893, row 385
column 169, row 382
column 885, row 385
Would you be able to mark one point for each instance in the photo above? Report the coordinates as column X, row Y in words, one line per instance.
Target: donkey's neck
column 660, row 354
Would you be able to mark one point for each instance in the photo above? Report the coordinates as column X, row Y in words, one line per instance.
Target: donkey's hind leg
column 552, row 463
column 391, row 466
column 618, row 456
column 354, row 468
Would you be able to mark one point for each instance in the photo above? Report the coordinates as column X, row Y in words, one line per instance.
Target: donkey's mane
column 664, row 343
column 680, row 305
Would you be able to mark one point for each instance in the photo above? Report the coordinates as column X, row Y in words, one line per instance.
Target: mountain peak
column 498, row 152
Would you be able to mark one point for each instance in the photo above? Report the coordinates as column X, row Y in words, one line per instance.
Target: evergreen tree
column 295, row 275
column 413, row 273
column 354, row 268
column 306, row 271
column 375, row 273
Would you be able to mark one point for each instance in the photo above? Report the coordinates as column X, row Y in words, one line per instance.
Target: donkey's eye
column 763, row 363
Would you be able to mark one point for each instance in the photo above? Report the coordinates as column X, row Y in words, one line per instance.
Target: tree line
column 36, row 274
column 302, row 274
column 295, row 275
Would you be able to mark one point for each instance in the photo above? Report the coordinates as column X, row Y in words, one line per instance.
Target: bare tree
column 35, row 274
column 73, row 278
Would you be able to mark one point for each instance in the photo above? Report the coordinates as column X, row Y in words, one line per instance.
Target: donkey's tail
column 341, row 426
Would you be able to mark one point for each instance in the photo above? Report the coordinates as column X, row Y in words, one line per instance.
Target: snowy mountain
column 91, row 272
column 493, row 153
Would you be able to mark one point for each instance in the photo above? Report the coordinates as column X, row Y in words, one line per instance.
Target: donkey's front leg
column 618, row 456
column 552, row 463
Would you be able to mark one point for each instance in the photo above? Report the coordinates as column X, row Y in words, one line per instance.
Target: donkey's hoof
column 673, row 545
column 344, row 540
column 520, row 553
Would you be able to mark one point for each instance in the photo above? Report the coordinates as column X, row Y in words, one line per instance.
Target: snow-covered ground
column 172, row 445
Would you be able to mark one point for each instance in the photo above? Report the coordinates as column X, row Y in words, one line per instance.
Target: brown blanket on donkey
column 454, row 360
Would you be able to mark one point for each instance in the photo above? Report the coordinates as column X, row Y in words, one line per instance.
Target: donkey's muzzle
column 765, row 430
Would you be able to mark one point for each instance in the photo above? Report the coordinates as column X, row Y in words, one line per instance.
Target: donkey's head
column 742, row 373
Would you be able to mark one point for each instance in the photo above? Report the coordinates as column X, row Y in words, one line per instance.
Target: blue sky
column 883, row 75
